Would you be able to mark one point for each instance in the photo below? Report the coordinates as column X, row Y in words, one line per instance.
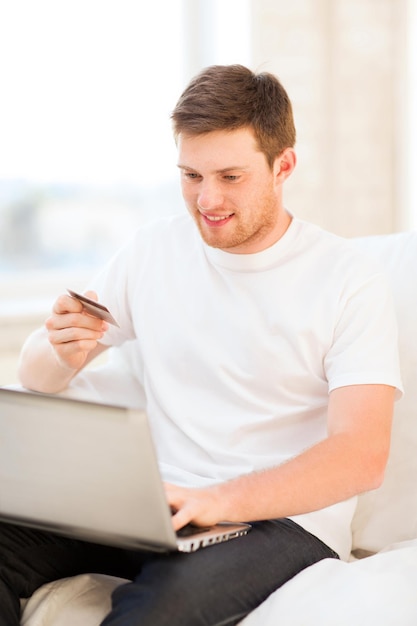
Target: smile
column 216, row 219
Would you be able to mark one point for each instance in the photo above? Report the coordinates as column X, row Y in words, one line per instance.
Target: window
column 86, row 149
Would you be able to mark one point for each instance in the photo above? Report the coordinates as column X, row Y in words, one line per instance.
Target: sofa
column 379, row 583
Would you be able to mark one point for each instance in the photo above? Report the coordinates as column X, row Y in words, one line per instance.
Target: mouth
column 216, row 220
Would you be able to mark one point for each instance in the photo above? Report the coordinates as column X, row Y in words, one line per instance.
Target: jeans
column 215, row 586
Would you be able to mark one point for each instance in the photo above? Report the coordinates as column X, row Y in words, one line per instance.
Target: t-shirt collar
column 257, row 261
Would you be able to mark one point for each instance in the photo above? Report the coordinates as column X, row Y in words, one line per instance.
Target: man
column 269, row 362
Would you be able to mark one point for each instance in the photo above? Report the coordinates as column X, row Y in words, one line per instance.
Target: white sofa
column 379, row 585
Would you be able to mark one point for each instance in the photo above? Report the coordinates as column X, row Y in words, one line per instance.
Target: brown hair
column 228, row 97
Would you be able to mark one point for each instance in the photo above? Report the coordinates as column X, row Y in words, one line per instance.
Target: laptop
column 89, row 471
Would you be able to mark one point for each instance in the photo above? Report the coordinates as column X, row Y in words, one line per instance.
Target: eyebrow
column 229, row 168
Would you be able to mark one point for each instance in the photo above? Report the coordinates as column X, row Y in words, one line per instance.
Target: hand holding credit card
column 94, row 308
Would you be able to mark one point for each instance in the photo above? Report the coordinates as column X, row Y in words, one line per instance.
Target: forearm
column 349, row 461
column 313, row 480
column 329, row 472
column 39, row 368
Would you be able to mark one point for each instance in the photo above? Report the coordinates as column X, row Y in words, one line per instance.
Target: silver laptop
column 88, row 471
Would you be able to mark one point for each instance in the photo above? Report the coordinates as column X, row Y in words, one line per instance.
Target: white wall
column 343, row 63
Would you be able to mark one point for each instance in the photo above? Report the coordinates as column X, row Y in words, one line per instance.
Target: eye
column 191, row 175
column 231, row 177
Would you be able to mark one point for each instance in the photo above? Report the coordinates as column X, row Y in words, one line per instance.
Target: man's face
column 231, row 192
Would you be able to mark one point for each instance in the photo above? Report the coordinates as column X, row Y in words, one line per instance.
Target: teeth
column 216, row 218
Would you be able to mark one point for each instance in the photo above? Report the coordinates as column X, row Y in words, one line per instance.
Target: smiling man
column 230, row 190
column 268, row 356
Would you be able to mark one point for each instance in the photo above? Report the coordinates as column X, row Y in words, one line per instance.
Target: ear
column 284, row 165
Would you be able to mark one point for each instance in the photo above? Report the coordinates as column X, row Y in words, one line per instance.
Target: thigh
column 29, row 558
column 218, row 585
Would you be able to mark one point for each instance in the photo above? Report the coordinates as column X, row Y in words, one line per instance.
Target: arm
column 349, row 461
column 54, row 354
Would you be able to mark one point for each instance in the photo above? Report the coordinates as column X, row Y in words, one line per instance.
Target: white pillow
column 389, row 514
column 377, row 591
column 82, row 600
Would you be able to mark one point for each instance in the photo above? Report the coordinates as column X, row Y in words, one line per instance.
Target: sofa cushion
column 82, row 600
column 389, row 514
column 376, row 591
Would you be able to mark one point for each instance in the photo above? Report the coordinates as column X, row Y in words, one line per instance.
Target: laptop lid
column 87, row 470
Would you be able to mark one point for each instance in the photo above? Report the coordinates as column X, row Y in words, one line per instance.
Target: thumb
column 92, row 295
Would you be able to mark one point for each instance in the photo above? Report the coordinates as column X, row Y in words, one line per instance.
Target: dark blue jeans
column 215, row 586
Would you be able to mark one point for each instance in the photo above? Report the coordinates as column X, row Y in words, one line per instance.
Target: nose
column 210, row 196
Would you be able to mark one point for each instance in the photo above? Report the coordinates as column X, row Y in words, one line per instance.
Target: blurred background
column 86, row 150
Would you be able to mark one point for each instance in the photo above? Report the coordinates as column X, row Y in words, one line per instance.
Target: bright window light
column 86, row 148
column 87, row 87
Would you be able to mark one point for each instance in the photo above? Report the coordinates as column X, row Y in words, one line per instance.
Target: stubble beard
column 240, row 233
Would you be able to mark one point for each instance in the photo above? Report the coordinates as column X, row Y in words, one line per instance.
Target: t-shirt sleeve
column 365, row 346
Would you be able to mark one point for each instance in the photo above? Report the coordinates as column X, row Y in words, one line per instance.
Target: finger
column 73, row 348
column 76, row 321
column 74, row 335
column 185, row 507
column 66, row 304
column 73, row 355
column 181, row 518
column 176, row 498
column 92, row 295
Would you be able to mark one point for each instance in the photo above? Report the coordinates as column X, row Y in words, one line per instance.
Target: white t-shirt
column 238, row 353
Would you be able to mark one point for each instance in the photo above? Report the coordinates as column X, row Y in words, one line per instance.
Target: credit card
column 94, row 308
